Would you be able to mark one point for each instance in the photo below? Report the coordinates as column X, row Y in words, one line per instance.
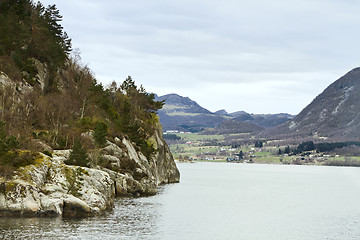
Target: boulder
column 51, row 188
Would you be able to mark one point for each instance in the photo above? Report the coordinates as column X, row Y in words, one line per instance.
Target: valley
column 192, row 147
column 326, row 132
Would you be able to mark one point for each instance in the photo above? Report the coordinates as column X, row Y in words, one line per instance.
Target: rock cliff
column 51, row 188
column 49, row 103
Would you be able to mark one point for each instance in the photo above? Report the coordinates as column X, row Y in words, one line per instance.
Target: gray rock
column 51, row 188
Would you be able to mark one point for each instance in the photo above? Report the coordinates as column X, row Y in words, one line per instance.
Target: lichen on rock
column 51, row 188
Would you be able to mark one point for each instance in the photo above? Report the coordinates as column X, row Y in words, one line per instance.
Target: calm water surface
column 222, row 201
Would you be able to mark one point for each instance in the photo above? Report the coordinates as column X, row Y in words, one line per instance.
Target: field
column 217, row 148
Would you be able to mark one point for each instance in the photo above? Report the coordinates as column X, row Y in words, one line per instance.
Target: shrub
column 47, row 153
column 147, row 149
column 85, row 123
column 12, row 160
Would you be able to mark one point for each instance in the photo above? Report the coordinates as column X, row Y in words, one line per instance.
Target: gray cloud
column 259, row 56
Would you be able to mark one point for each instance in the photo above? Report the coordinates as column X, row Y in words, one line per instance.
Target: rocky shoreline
column 51, row 188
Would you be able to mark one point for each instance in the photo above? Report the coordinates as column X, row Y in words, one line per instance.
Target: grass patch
column 167, row 107
column 198, row 137
column 183, row 114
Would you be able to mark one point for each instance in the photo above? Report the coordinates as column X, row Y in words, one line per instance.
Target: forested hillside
column 32, row 34
column 47, row 96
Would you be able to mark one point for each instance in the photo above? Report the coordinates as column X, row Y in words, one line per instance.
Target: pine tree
column 241, row 155
column 100, row 133
column 287, row 150
column 258, row 144
column 78, row 155
column 3, row 145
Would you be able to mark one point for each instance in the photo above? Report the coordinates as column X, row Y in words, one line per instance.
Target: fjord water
column 222, row 201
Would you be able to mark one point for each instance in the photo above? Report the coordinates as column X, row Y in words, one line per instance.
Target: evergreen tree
column 6, row 143
column 241, row 155
column 287, row 150
column 100, row 133
column 3, row 145
column 29, row 31
column 78, row 155
column 258, row 144
column 128, row 86
column 306, row 146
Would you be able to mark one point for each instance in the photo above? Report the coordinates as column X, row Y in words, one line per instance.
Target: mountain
column 222, row 112
column 238, row 113
column 333, row 113
column 270, row 120
column 183, row 114
column 176, row 105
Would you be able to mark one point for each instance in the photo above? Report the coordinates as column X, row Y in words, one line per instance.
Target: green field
column 199, row 137
column 199, row 147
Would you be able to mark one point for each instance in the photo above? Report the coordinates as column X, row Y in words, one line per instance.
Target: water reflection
column 133, row 218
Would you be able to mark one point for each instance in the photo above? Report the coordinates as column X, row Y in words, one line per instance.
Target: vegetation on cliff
column 47, row 98
column 30, row 31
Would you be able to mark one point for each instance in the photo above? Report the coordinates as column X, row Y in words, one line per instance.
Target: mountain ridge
column 334, row 113
column 183, row 114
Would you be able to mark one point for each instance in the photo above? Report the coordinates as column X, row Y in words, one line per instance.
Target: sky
column 258, row 56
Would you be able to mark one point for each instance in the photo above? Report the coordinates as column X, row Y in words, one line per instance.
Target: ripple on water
column 222, row 201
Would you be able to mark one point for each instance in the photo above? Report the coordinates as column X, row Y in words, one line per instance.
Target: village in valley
column 243, row 148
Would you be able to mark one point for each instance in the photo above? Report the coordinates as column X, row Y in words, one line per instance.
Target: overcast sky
column 259, row 56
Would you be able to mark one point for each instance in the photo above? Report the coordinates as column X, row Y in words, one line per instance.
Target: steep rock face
column 51, row 188
column 163, row 162
column 15, row 90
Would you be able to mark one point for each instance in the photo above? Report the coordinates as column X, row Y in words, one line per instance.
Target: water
column 222, row 201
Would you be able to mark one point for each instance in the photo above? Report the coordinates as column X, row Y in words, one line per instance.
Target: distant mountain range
column 334, row 113
column 183, row 114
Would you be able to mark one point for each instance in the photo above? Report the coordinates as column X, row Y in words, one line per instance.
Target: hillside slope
column 333, row 113
column 231, row 126
column 184, row 114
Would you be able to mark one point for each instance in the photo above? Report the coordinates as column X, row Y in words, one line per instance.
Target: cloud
column 258, row 56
